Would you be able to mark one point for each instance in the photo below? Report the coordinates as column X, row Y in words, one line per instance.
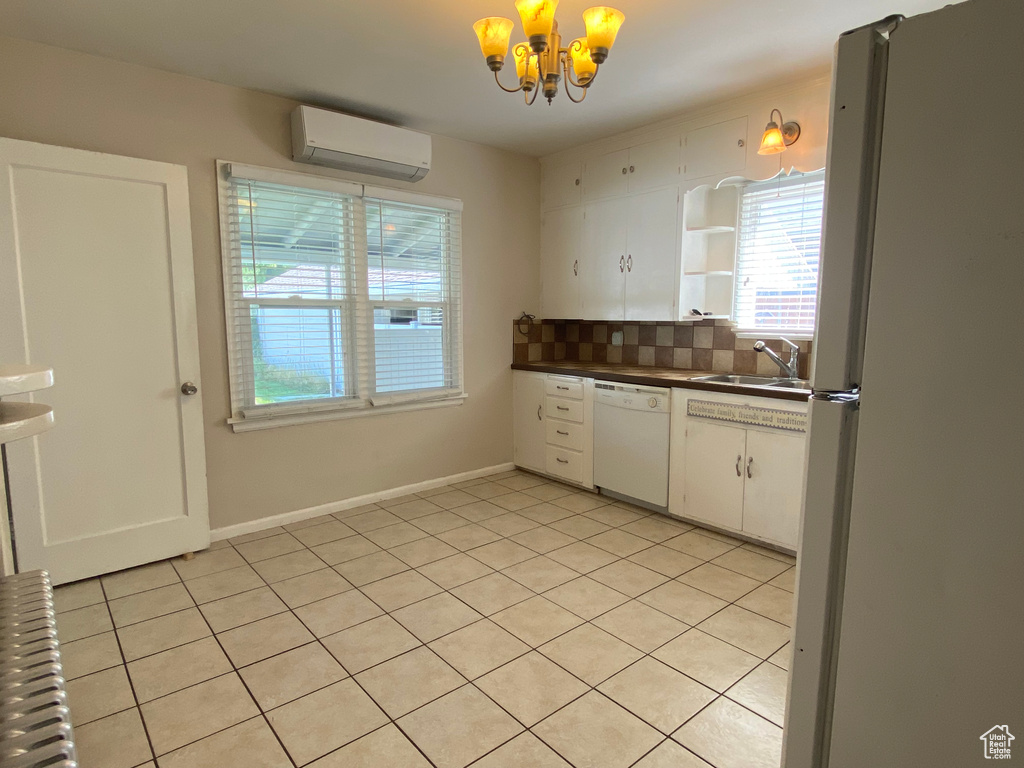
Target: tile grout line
column 127, row 674
column 483, row 616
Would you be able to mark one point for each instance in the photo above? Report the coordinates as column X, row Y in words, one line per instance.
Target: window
column 340, row 298
column 777, row 255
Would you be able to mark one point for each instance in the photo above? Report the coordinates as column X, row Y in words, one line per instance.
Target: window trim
column 245, row 418
column 746, row 332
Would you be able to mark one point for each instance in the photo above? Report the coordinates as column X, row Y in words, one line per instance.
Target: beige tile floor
column 506, row 622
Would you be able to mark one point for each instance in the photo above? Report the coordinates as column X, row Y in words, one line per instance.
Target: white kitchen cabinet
column 652, row 251
column 553, row 428
column 715, row 149
column 629, row 255
column 606, row 175
column 773, row 484
column 529, row 433
column 654, row 164
column 561, row 234
column 714, row 473
column 603, row 262
column 561, row 184
column 651, row 165
column 731, row 471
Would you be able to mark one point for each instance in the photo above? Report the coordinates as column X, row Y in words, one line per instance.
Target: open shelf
column 711, row 229
column 17, row 379
column 18, row 420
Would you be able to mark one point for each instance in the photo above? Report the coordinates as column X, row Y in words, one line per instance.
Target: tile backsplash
column 704, row 345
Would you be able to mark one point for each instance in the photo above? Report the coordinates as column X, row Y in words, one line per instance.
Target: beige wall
column 55, row 96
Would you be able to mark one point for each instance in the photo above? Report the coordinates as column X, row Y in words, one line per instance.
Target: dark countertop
column 650, row 376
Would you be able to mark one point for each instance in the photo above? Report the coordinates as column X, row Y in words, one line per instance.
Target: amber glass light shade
column 602, row 26
column 522, row 55
column 493, row 33
column 582, row 64
column 772, row 142
column 537, row 16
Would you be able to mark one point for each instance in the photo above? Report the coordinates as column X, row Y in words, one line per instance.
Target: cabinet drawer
column 564, row 463
column 564, row 434
column 560, row 408
column 565, row 387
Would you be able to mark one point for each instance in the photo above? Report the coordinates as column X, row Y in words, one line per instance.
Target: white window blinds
column 414, row 294
column 777, row 257
column 335, row 300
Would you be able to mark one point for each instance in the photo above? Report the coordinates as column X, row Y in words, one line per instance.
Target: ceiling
column 417, row 63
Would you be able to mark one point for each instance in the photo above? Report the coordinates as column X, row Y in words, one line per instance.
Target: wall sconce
column 777, row 139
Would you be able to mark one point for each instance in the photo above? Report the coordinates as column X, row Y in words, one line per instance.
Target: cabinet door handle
column 561, row 461
column 629, row 263
column 739, row 472
column 631, row 169
column 576, row 267
column 539, row 409
column 623, row 171
column 561, row 408
column 622, row 263
column 564, row 389
column 566, row 434
column 750, row 462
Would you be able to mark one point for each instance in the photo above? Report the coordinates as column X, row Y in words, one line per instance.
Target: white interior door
column 96, row 280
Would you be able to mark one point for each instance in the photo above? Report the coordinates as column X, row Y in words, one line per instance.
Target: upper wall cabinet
column 561, row 235
column 637, row 169
column 716, row 149
column 606, row 175
column 561, row 184
column 629, row 256
column 655, row 164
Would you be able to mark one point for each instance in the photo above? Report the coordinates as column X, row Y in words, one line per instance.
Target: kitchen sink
column 754, row 381
column 792, row 384
column 731, row 378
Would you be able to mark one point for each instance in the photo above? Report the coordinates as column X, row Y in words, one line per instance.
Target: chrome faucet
column 790, row 368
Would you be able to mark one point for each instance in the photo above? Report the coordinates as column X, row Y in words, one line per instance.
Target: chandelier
column 541, row 62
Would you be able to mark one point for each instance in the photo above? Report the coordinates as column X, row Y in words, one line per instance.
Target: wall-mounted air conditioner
column 322, row 137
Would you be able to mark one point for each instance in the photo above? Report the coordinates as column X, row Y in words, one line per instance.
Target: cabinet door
column 560, row 185
column 713, row 489
column 716, row 149
column 774, row 473
column 561, row 232
column 528, row 428
column 655, row 164
column 603, row 260
column 652, row 252
column 606, row 176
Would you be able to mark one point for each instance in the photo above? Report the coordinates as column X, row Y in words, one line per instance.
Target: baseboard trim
column 285, row 518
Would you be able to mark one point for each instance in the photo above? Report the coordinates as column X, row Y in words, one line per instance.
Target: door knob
column 188, row 388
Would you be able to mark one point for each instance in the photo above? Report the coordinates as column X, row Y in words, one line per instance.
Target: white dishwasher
column 631, row 431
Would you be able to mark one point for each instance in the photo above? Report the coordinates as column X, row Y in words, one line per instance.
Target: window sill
column 290, row 419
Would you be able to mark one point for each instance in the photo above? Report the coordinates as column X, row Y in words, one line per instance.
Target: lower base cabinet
column 552, row 425
column 737, row 464
column 529, row 433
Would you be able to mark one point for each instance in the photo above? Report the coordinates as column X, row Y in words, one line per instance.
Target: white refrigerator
column 909, row 637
